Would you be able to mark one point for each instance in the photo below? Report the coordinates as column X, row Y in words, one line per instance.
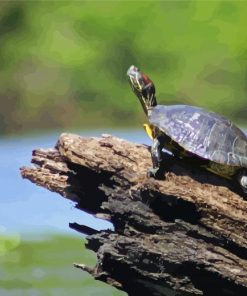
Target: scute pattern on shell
column 203, row 133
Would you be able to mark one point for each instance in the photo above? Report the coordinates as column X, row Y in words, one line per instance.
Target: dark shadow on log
column 169, row 208
column 85, row 182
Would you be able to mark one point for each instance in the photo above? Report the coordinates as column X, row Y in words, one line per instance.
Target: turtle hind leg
column 242, row 179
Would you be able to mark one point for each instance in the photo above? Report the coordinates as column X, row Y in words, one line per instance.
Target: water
column 37, row 248
column 27, row 209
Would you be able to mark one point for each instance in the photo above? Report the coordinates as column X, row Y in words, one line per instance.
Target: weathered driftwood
column 184, row 235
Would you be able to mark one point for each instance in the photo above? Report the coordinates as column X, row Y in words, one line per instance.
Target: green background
column 63, row 64
column 44, row 267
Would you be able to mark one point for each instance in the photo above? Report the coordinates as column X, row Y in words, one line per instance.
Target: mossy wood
column 184, row 235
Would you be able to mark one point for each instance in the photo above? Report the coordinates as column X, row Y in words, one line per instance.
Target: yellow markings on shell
column 149, row 130
column 216, row 172
column 224, row 171
column 154, row 132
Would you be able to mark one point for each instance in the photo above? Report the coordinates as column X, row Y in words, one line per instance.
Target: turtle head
column 143, row 87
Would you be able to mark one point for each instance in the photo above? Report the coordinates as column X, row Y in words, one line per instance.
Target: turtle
column 191, row 132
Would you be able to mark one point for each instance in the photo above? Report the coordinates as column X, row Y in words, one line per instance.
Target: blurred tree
column 63, row 64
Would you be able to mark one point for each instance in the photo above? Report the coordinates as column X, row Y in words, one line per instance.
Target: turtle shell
column 203, row 133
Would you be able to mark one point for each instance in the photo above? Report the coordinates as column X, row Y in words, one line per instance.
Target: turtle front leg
column 242, row 179
column 156, row 159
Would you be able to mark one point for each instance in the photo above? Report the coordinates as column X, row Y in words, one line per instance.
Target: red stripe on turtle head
column 146, row 79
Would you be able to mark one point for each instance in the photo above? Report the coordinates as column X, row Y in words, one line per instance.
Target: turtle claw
column 155, row 173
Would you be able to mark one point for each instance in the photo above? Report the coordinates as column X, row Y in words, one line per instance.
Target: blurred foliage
column 63, row 64
column 44, row 267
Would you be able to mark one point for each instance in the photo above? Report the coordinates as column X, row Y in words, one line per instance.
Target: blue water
column 27, row 209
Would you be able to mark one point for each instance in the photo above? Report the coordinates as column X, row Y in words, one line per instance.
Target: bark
column 183, row 235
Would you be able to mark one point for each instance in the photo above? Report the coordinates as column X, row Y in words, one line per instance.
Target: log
column 183, row 235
